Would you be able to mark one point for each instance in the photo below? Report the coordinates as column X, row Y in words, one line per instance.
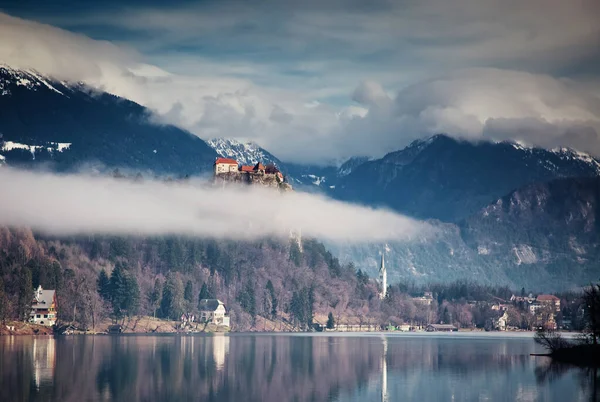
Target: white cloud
column 483, row 104
column 84, row 204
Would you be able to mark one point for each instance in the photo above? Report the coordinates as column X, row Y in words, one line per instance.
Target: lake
column 284, row 367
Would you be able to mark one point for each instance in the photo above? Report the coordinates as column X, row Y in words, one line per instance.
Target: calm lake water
column 303, row 367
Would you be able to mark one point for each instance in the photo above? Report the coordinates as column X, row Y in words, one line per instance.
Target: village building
column 499, row 307
column 441, row 328
column 522, row 299
column 535, row 307
column 212, row 311
column 225, row 165
column 43, row 307
column 500, row 322
column 424, row 300
column 549, row 301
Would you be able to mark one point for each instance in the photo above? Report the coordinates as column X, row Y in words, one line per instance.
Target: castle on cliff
column 228, row 170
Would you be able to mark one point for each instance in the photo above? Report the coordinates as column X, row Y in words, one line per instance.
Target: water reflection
column 588, row 377
column 281, row 368
column 44, row 361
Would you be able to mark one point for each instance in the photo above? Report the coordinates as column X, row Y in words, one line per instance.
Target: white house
column 212, row 311
column 43, row 307
column 225, row 165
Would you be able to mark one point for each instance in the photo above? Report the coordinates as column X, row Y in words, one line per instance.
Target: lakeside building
column 43, row 307
column 212, row 311
column 441, row 328
column 549, row 301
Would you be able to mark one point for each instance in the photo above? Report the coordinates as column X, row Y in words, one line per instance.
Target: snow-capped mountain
column 28, row 79
column 66, row 125
column 449, row 179
column 246, row 153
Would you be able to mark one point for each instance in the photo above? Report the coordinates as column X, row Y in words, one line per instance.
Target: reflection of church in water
column 44, row 361
column 384, row 390
column 379, row 384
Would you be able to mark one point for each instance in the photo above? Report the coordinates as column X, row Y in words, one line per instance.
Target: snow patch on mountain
column 315, row 179
column 245, row 153
column 571, row 154
column 524, row 254
column 29, row 79
column 8, row 146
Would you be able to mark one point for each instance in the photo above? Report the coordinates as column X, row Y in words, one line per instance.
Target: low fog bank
column 79, row 204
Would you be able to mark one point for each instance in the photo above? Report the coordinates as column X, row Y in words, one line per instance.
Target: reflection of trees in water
column 182, row 368
column 265, row 368
column 589, row 377
column 457, row 357
column 118, row 370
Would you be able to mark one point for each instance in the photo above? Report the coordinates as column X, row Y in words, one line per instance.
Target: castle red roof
column 259, row 166
column 547, row 298
column 226, row 161
column 246, row 169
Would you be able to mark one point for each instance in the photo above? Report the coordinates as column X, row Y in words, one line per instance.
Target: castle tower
column 383, row 277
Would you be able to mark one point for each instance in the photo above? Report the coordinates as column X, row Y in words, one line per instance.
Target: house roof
column 259, row 166
column 547, row 298
column 246, row 168
column 271, row 168
column 209, row 304
column 226, row 161
column 43, row 299
column 442, row 326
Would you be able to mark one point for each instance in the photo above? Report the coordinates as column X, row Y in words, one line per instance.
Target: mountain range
column 67, row 126
column 504, row 213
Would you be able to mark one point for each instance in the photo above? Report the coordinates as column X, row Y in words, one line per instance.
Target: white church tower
column 383, row 275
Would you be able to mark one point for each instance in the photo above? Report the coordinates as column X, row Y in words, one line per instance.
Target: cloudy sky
column 318, row 81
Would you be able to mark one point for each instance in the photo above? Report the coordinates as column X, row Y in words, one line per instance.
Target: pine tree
column 273, row 298
column 204, row 294
column 25, row 294
column 247, row 299
column 155, row 296
column 330, row 321
column 295, row 252
column 3, row 303
column 171, row 305
column 124, row 292
column 103, row 283
column 188, row 294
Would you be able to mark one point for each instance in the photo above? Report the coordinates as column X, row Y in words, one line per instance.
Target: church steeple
column 383, row 276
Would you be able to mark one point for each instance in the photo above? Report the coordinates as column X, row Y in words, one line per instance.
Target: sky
column 320, row 81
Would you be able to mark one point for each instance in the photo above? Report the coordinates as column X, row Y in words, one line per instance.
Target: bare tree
column 591, row 298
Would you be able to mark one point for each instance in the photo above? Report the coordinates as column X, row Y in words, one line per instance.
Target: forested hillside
column 166, row 276
column 266, row 280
